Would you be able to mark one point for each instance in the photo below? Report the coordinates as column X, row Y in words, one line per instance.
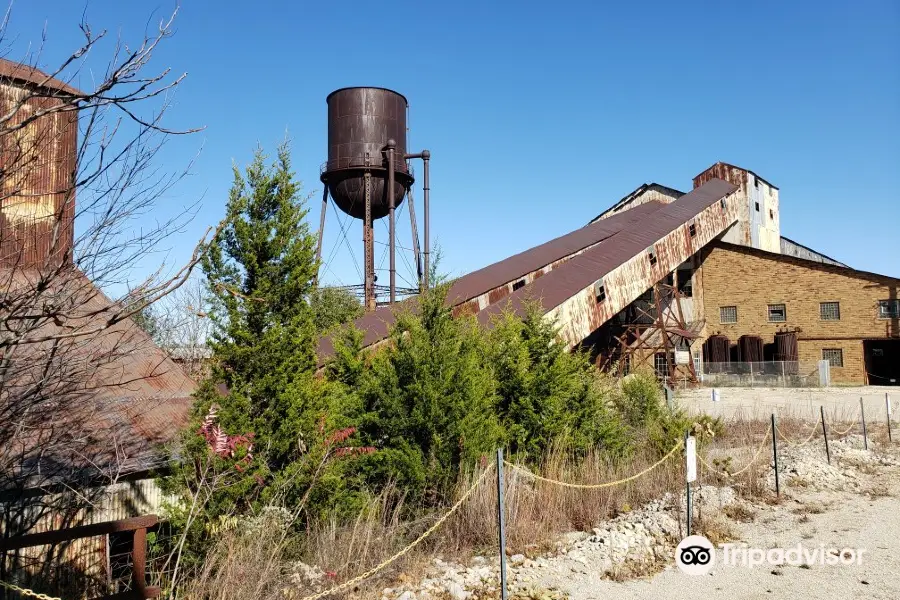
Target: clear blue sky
column 541, row 115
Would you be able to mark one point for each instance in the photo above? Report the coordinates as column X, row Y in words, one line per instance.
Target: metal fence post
column 775, row 456
column 887, row 406
column 501, row 517
column 825, row 433
column 689, row 509
column 862, row 417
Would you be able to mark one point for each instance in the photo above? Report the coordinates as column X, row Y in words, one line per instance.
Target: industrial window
column 692, row 229
column 600, row 291
column 661, row 364
column 519, row 284
column 889, row 309
column 777, row 313
column 757, row 206
column 728, row 314
column 722, row 202
column 685, row 282
column 830, row 311
column 652, row 256
column 834, row 356
column 771, row 214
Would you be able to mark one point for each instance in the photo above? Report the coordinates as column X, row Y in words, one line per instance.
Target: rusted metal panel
column 623, row 262
column 38, row 162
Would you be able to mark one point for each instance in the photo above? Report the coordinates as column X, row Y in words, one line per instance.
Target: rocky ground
column 851, row 503
column 854, row 502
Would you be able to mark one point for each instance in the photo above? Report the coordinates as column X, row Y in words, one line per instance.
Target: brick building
column 842, row 315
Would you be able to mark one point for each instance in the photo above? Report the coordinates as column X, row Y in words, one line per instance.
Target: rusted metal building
column 136, row 398
column 38, row 153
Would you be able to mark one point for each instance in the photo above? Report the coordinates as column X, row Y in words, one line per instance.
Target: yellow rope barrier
column 812, row 434
column 747, row 466
column 595, row 486
column 840, row 433
column 27, row 592
column 394, row 558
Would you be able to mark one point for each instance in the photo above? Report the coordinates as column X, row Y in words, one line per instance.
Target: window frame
column 783, row 311
column 837, row 353
column 722, row 314
column 894, row 314
column 518, row 285
column 822, row 311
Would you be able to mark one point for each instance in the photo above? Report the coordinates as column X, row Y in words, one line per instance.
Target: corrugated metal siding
column 37, row 209
column 87, row 555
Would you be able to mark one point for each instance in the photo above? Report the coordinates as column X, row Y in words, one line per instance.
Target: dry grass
column 740, row 512
column 260, row 566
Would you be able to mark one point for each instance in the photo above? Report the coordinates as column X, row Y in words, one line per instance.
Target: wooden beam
column 73, row 533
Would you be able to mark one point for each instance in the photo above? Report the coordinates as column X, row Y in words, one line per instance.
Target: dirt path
column 868, row 518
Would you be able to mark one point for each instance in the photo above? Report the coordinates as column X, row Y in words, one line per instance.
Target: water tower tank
column 361, row 120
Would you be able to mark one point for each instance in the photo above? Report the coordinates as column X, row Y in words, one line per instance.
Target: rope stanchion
column 384, row 564
column 27, row 592
column 596, row 486
column 747, row 466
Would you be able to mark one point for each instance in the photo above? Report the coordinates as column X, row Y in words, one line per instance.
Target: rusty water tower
column 368, row 176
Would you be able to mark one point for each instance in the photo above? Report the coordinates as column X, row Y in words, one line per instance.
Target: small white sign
column 691, row 454
column 682, row 357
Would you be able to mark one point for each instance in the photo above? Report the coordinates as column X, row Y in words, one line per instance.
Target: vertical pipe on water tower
column 391, row 242
column 426, row 159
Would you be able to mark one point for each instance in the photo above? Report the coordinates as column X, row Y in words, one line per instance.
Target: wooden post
column 139, row 561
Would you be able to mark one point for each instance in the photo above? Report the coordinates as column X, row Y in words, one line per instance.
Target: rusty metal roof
column 24, row 73
column 586, row 268
column 609, row 242
column 130, row 397
column 376, row 325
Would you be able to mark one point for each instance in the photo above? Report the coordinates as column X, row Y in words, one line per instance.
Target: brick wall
column 752, row 279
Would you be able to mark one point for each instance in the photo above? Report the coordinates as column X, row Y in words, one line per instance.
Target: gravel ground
column 863, row 514
column 840, row 403
column 852, row 503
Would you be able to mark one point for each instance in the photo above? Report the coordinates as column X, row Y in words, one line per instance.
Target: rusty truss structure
column 655, row 330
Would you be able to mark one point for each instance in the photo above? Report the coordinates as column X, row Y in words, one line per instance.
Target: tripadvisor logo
column 695, row 555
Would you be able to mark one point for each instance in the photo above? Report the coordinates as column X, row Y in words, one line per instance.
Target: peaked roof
column 23, row 73
column 636, row 193
column 731, row 166
column 124, row 394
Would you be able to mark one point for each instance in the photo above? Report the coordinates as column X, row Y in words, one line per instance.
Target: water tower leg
column 415, row 236
column 369, row 248
column 321, row 231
